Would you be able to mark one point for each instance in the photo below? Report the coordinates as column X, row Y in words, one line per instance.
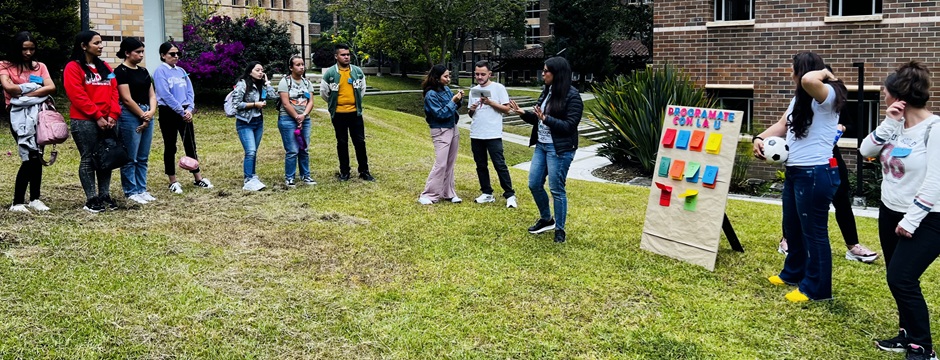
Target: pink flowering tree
column 216, row 52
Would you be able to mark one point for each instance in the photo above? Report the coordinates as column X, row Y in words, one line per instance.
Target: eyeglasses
column 174, row 54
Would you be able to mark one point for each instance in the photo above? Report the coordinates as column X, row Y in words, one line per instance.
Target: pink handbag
column 51, row 128
column 188, row 163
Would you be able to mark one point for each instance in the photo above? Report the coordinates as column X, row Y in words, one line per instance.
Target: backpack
column 290, row 85
column 229, row 105
column 50, row 128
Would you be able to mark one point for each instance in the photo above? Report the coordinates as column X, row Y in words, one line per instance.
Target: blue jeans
column 807, row 193
column 249, row 133
column 134, row 174
column 545, row 162
column 292, row 151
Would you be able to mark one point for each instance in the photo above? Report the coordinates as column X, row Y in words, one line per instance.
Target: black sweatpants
column 912, row 257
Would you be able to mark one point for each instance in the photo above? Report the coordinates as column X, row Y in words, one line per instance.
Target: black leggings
column 914, row 256
column 171, row 126
column 29, row 175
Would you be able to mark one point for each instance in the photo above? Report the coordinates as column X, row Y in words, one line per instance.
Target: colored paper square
column 682, row 140
column 691, row 199
column 669, row 138
column 714, row 144
column 698, row 140
column 691, row 172
column 664, row 166
column 710, row 177
column 665, row 195
column 675, row 171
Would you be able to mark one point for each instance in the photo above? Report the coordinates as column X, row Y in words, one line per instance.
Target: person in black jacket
column 555, row 136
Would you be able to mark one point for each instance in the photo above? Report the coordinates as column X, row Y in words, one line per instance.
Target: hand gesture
column 759, row 149
column 539, row 113
column 188, row 116
column 141, row 128
column 896, row 110
column 102, row 123
column 899, row 231
column 514, row 108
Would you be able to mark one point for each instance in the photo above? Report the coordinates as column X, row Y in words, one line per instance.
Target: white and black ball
column 776, row 150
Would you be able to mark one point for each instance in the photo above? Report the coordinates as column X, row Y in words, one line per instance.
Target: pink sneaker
column 783, row 248
column 861, row 253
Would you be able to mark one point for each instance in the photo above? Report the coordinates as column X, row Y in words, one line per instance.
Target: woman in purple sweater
column 175, row 108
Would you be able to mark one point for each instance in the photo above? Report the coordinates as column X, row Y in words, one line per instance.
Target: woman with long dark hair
column 92, row 89
column 908, row 144
column 296, row 104
column 554, row 122
column 138, row 104
column 440, row 112
column 17, row 73
column 176, row 103
column 251, row 91
column 812, row 176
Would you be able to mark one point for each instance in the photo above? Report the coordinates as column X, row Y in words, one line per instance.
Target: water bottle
column 838, row 136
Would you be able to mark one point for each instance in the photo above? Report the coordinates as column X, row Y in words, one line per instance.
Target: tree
column 216, row 52
column 433, row 26
column 588, row 45
column 54, row 42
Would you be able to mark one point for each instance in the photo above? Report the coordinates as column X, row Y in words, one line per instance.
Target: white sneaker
column 424, row 201
column 38, row 205
column 204, row 183
column 19, row 208
column 253, row 184
column 456, row 200
column 137, row 198
column 511, row 202
column 176, row 187
column 485, row 198
column 146, row 196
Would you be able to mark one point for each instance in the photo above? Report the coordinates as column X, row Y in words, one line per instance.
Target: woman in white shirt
column 908, row 223
column 812, row 177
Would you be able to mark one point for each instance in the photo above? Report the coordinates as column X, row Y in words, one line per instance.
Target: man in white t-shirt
column 486, row 133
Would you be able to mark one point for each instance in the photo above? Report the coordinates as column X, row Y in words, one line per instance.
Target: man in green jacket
column 342, row 88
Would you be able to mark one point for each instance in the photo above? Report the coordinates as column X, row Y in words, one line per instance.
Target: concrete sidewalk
column 586, row 161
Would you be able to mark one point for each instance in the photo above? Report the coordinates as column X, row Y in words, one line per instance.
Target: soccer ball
column 776, row 150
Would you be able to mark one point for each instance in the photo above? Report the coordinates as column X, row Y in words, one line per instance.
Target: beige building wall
column 117, row 19
column 284, row 11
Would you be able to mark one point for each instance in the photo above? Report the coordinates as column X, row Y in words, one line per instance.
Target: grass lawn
column 360, row 270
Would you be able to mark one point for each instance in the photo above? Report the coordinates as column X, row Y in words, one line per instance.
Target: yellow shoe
column 796, row 296
column 776, row 280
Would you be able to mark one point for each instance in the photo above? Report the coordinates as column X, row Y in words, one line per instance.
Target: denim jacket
column 439, row 111
column 250, row 95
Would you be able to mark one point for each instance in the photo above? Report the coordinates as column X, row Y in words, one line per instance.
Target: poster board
column 691, row 179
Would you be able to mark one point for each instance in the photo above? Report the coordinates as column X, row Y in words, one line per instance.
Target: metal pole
column 303, row 43
column 860, row 132
column 86, row 23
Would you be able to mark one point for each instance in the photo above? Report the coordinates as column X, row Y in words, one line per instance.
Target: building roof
column 628, row 48
column 618, row 49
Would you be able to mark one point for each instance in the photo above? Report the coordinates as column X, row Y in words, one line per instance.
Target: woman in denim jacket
column 252, row 89
column 440, row 110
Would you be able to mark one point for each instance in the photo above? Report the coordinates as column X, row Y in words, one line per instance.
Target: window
column 285, row 3
column 849, row 114
column 854, row 7
column 235, row 2
column 733, row 10
column 736, row 99
column 532, row 35
column 532, row 9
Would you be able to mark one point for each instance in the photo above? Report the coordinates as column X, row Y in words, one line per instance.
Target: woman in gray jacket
column 252, row 89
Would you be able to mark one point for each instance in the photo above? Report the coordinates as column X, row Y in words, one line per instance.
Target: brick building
column 156, row 21
column 741, row 50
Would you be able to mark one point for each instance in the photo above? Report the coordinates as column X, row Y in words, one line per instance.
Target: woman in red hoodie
column 93, row 90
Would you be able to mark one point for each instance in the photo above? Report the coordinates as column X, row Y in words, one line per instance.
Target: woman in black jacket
column 555, row 136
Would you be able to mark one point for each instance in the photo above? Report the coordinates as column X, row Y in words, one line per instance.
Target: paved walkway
column 586, row 161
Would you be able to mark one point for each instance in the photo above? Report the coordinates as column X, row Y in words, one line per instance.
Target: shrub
column 871, row 187
column 631, row 110
column 54, row 43
column 216, row 52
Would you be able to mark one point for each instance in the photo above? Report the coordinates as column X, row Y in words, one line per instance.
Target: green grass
column 360, row 270
column 390, row 83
